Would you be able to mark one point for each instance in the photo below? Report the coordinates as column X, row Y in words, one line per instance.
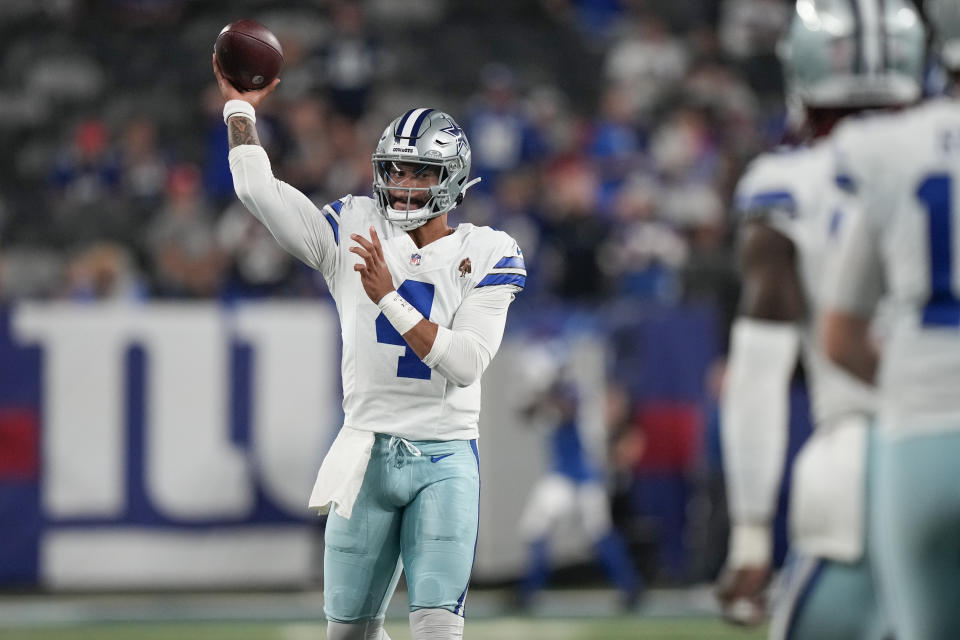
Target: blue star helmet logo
column 455, row 131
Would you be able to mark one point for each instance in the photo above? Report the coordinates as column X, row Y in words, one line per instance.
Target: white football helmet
column 854, row 53
column 424, row 138
column 944, row 16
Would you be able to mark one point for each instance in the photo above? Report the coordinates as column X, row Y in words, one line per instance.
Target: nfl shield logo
column 415, row 259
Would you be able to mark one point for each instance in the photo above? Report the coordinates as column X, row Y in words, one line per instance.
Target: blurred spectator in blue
column 502, row 137
column 87, row 202
column 181, row 240
column 617, row 143
column 87, row 170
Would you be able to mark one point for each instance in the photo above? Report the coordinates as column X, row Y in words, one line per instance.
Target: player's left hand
column 741, row 593
column 374, row 274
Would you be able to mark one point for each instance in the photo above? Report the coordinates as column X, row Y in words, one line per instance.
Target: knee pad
column 435, row 624
column 361, row 630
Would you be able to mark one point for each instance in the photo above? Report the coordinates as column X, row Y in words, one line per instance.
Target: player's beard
column 414, row 201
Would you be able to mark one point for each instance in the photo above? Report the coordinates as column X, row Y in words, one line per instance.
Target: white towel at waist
column 341, row 472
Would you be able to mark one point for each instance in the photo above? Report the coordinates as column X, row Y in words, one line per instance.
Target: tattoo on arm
column 241, row 130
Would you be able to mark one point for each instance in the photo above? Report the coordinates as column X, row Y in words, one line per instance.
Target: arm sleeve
column 298, row 225
column 461, row 354
column 755, row 415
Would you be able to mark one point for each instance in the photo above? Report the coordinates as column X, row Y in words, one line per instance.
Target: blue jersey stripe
column 336, row 205
column 510, row 261
column 768, row 200
column 503, row 278
column 333, row 225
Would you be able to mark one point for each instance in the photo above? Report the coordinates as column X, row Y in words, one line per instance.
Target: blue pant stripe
column 804, row 594
column 459, row 608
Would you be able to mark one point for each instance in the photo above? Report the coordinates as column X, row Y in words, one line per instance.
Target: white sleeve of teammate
column 297, row 224
column 857, row 279
column 461, row 354
column 754, row 419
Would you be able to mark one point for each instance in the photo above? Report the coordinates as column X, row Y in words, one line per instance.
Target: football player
column 573, row 489
column 900, row 239
column 840, row 57
column 422, row 311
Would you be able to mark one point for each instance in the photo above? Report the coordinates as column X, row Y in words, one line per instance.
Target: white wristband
column 751, row 545
column 238, row 108
column 399, row 312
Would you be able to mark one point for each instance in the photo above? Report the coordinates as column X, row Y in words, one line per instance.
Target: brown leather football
column 249, row 55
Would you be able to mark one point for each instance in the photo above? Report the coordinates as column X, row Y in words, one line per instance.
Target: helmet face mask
column 854, row 53
column 417, row 147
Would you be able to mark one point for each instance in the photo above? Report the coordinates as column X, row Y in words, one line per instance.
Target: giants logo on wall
column 163, row 445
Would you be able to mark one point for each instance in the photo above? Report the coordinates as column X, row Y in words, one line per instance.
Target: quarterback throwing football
column 422, row 311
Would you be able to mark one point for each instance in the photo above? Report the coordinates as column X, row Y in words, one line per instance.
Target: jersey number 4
column 420, row 295
column 943, row 306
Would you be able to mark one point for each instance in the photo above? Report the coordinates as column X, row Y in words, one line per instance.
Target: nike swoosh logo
column 439, row 458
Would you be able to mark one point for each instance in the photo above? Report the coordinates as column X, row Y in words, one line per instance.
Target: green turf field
column 500, row 629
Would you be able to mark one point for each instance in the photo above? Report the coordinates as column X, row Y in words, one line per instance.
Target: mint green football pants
column 418, row 513
column 916, row 523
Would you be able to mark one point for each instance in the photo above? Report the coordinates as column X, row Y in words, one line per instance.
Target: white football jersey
column 903, row 238
column 791, row 190
column 387, row 388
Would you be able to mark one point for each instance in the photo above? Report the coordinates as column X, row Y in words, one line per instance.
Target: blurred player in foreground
column 840, row 57
column 573, row 488
column 901, row 238
column 422, row 312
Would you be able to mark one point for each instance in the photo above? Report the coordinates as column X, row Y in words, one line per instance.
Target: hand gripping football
column 249, row 55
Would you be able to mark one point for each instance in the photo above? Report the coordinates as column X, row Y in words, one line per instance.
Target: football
column 249, row 55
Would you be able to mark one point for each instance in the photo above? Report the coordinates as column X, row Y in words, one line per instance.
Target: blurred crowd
column 608, row 133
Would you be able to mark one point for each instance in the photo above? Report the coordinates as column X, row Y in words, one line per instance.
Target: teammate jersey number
column 943, row 306
column 420, row 295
